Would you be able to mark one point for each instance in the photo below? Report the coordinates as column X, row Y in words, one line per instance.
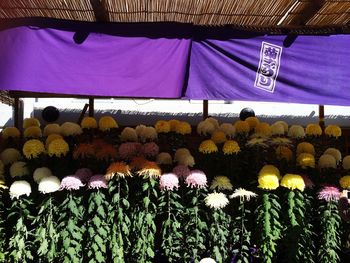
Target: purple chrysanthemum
column 329, row 193
column 97, row 181
column 168, row 182
column 84, row 174
column 196, row 179
column 71, row 182
column 150, row 150
column 129, row 149
column 182, row 171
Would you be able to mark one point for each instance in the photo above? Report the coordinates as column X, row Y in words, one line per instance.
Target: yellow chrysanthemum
column 32, row 132
column 333, row 131
column 106, row 123
column 12, row 132
column 31, row 122
column 52, row 128
column 162, row 126
column 283, row 152
column 207, row 147
column 284, row 124
column 268, row 181
column 252, row 122
column 263, row 129
column 52, row 137
column 306, row 160
column 221, row 183
column 313, row 129
column 89, row 123
column 296, row 131
column 269, row 169
column 277, row 129
column 58, row 148
column 218, row 137
column 3, row 184
column 335, row 153
column 183, row 128
column 305, row 147
column 173, row 123
column 293, row 181
column 345, row 182
column 242, row 126
column 257, row 142
column 231, row 147
column 33, row 148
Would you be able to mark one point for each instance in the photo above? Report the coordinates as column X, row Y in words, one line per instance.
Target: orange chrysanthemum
column 150, row 170
column 84, row 150
column 106, row 152
column 119, row 169
column 138, row 162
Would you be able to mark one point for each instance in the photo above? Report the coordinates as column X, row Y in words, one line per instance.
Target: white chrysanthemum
column 164, row 158
column 128, row 135
column 148, row 133
column 186, row 159
column 19, row 188
column 41, row 173
column 228, row 129
column 207, row 260
column 180, row 152
column 205, row 128
column 71, row 129
column 346, row 162
column 244, row 195
column 335, row 152
column 296, row 131
column 216, row 200
column 327, row 161
column 277, row 129
column 49, row 184
column 52, row 128
column 284, row 124
column 213, row 121
column 10, row 155
column 18, row 169
column 139, row 129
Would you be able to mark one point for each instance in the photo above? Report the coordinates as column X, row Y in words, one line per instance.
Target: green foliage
column 2, row 228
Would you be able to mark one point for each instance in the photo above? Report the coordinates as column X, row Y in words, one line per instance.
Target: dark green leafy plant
column 2, row 226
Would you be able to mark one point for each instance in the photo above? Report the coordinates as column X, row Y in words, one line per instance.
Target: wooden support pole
column 205, row 109
column 321, row 116
column 16, row 113
column 86, row 106
column 91, row 107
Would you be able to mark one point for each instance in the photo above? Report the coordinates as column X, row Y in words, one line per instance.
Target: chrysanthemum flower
column 71, row 182
column 313, row 129
column 52, row 128
column 19, row 169
column 128, row 150
column 263, row 129
column 269, row 169
column 268, row 181
column 119, row 170
column 33, row 148
column 89, row 123
column 208, row 147
column 335, row 152
column 306, row 160
column 58, row 148
column 280, row 141
column 164, row 158
column 106, row 123
column 260, row 142
column 305, row 147
column 329, row 193
column 148, row 134
column 41, row 173
column 345, row 182
column 182, row 171
column 218, row 137
column 205, row 128
column 252, row 122
column 2, row 183
column 83, row 151
column 277, row 129
column 84, row 174
column 284, row 124
column 296, row 131
column 333, row 131
column 196, row 179
column 207, row 260
column 137, row 163
column 50, row 138
column 128, row 135
column 221, row 183
column 283, row 152
column 150, row 150
column 71, row 129
column 162, row 126
column 293, row 181
column 31, row 122
column 228, row 129
column 186, row 159
column 183, row 128
column 49, row 184
column 10, row 132
column 180, row 152
column 173, row 123
column 243, row 194
column 106, row 152
column 231, row 147
column 139, row 129
column 32, row 132
column 97, row 181
column 346, row 162
column 10, row 155
column 19, row 188
column 150, row 170
column 327, row 161
column 168, row 182
column 216, row 200
column 242, row 126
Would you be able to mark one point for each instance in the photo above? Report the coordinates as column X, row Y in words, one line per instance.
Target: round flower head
column 183, row 128
column 173, row 123
column 329, row 193
column 277, row 129
column 33, row 148
column 50, row 138
column 128, row 150
column 269, row 169
column 293, row 181
column 164, row 158
column 263, row 129
column 345, row 182
column 10, row 155
column 242, row 126
column 231, row 147
column 162, row 126
column 41, row 173
column 49, row 184
column 296, row 131
column 118, row 170
column 305, row 147
column 83, row 150
column 97, row 181
column 257, row 142
column 213, row 121
column 313, row 130
column 346, row 162
column 228, row 129
column 19, row 169
column 216, row 200
column 268, row 181
column 196, row 179
column 128, row 135
column 218, row 137
column 243, row 194
column 284, row 124
column 150, row 150
column 207, row 260
column 58, row 148
column 139, row 129
column 335, row 152
column 52, row 128
column 187, row 160
column 137, row 163
column 83, row 174
column 169, row 182
column 333, row 131
column 148, row 134
column 283, row 152
column 31, row 122
column 280, row 141
column 32, row 132
column 221, row 183
column 182, row 171
column 19, row 188
column 150, row 170
column 89, row 123
column 71, row 182
column 205, row 128
column 10, row 132
column 2, row 183
column 207, row 147
column 106, row 123
column 71, row 129
column 181, row 152
column 252, row 122
column 327, row 161
column 106, row 152
column 306, row 160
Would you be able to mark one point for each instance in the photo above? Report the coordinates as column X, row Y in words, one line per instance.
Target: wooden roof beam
column 100, row 10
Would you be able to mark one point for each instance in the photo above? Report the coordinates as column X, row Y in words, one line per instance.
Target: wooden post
column 15, row 114
column 86, row 106
column 321, row 116
column 205, row 109
column 91, row 107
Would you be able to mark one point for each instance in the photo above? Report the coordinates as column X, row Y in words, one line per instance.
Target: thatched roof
column 5, row 98
column 260, row 15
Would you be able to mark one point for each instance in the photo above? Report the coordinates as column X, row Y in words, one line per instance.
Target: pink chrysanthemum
column 168, row 182
column 329, row 193
column 71, row 182
column 307, row 181
column 129, row 149
column 83, row 174
column 182, row 171
column 150, row 150
column 97, row 181
column 196, row 179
